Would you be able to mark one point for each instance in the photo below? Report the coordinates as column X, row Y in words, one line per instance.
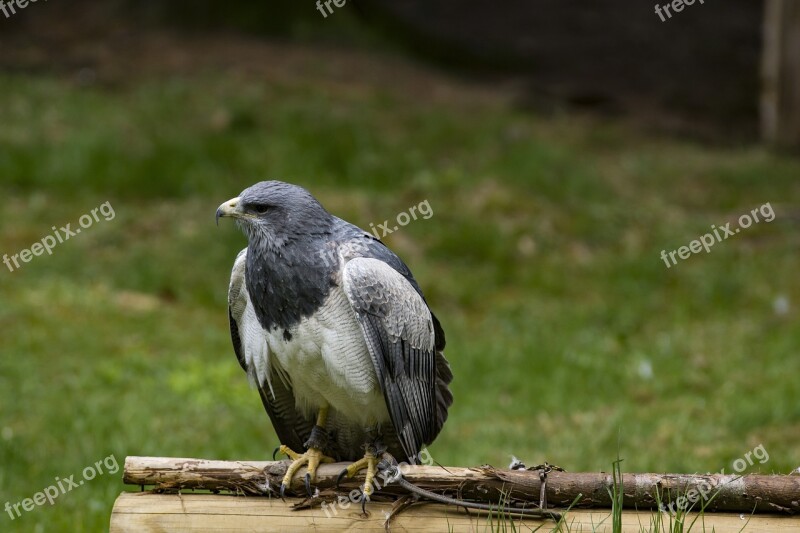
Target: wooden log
column 780, row 73
column 141, row 512
column 733, row 493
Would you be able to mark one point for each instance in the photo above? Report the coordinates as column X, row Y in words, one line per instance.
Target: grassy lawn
column 569, row 338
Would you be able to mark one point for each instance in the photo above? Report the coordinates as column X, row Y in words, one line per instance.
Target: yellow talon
column 370, row 462
column 288, row 451
column 312, row 459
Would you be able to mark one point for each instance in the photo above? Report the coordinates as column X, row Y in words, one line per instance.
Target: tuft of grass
column 617, row 495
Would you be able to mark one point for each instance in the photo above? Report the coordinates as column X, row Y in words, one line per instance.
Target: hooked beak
column 229, row 209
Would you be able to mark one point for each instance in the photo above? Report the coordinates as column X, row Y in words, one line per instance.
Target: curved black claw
column 308, row 485
column 364, row 500
column 283, row 490
column 275, row 453
column 341, row 477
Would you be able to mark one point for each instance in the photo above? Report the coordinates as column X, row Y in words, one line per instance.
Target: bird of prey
column 334, row 332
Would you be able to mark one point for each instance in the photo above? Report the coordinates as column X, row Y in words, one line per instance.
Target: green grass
column 541, row 259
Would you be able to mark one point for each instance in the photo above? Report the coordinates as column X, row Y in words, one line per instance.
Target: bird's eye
column 260, row 209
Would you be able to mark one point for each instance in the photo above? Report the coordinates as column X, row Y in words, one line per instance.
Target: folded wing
column 401, row 335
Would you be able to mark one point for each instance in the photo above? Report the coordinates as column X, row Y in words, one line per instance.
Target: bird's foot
column 370, row 462
column 312, row 459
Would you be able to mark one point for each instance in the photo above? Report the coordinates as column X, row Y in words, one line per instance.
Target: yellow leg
column 369, row 477
column 312, row 458
column 370, row 462
column 322, row 416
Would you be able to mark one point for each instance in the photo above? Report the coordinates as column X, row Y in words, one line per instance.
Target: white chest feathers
column 325, row 360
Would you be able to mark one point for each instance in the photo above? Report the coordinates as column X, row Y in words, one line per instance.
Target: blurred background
column 561, row 147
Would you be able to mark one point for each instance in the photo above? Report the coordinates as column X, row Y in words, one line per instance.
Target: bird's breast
column 327, row 361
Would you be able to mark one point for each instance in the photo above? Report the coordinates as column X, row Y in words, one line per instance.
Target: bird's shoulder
column 352, row 243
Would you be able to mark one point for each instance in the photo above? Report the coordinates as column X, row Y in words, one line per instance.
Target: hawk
column 335, row 333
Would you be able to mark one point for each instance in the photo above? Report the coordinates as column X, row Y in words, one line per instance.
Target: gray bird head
column 275, row 213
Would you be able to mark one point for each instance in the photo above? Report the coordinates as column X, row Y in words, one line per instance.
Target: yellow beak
column 229, row 209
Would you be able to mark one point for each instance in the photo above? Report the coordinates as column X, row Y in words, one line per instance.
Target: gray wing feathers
column 401, row 338
column 250, row 345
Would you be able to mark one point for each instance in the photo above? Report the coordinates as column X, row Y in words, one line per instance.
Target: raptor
column 333, row 330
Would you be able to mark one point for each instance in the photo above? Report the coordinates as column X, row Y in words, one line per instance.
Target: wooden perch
column 732, row 493
column 145, row 511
